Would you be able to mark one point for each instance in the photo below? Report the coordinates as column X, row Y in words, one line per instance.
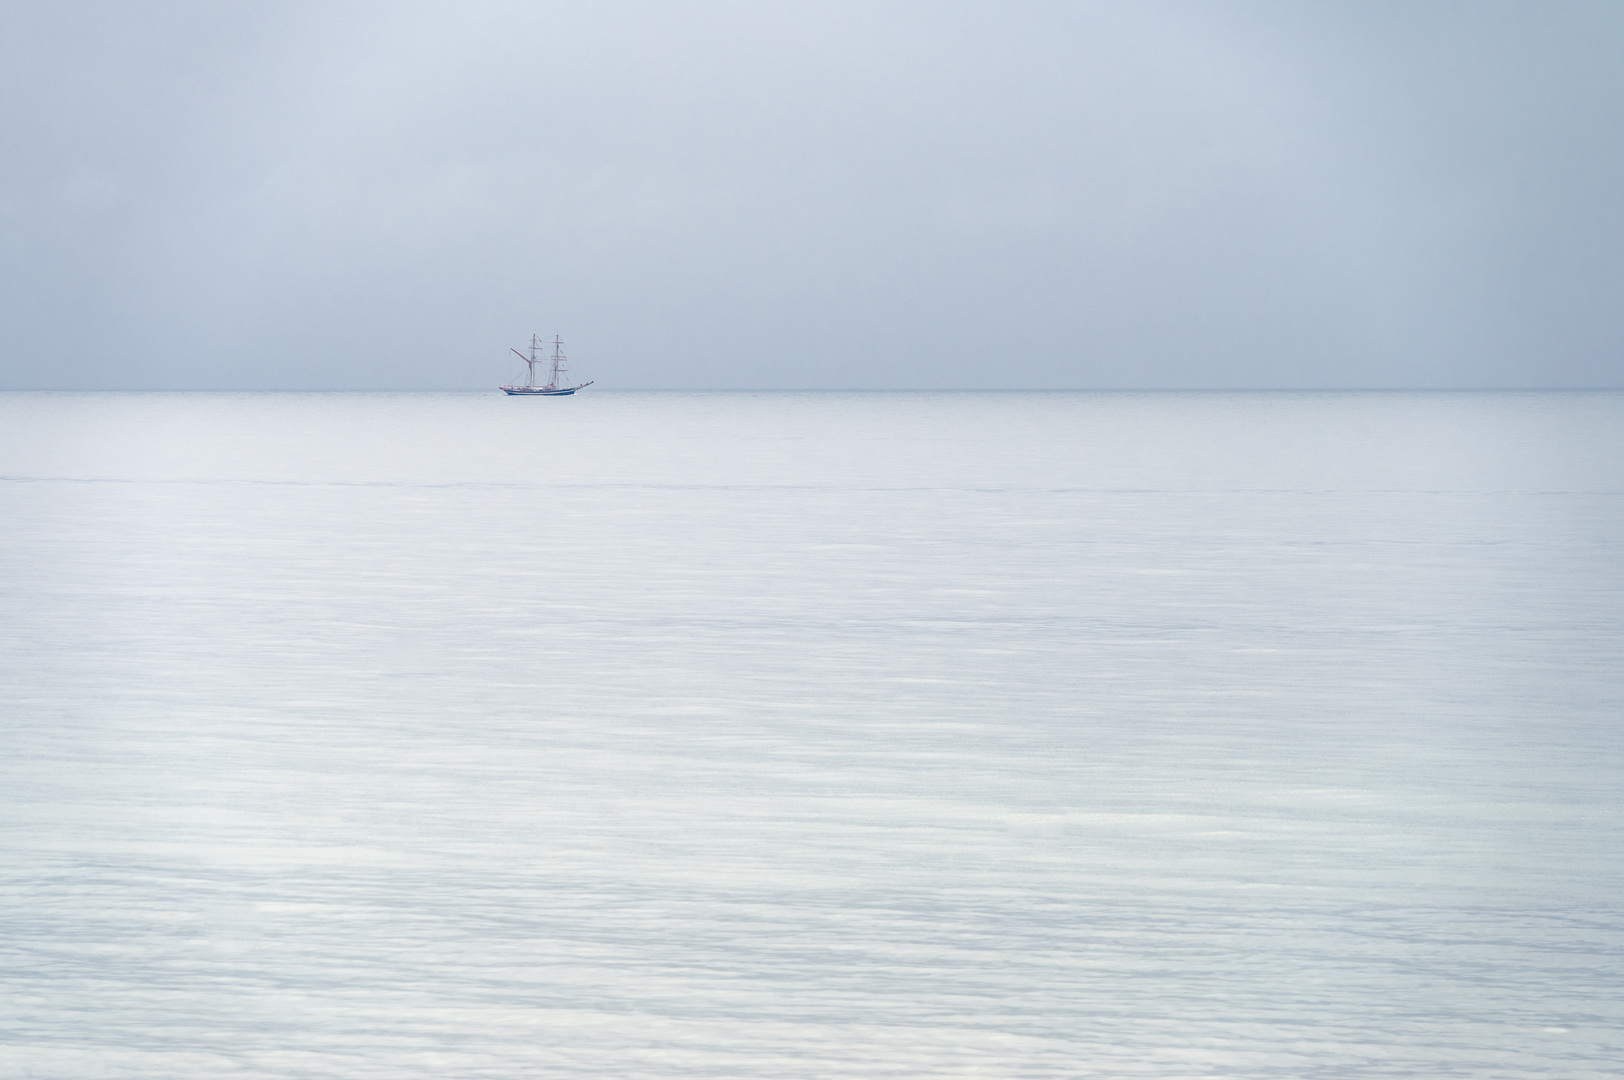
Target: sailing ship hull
column 537, row 391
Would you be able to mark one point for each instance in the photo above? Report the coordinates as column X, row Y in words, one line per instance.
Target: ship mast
column 560, row 365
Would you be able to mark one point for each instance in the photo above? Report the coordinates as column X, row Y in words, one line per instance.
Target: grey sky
column 814, row 195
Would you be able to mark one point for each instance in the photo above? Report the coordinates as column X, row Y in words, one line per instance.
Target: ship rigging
column 554, row 387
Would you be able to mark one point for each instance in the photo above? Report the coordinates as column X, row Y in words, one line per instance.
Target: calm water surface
column 812, row 735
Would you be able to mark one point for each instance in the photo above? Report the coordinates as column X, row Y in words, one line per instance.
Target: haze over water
column 811, row 735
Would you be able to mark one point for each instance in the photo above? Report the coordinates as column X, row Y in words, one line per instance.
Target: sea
column 812, row 735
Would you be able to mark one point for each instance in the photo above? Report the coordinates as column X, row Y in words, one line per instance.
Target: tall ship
column 560, row 370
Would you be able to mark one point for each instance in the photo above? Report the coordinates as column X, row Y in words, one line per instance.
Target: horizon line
column 822, row 389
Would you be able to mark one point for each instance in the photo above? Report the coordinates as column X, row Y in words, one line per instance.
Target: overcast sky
column 1133, row 194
